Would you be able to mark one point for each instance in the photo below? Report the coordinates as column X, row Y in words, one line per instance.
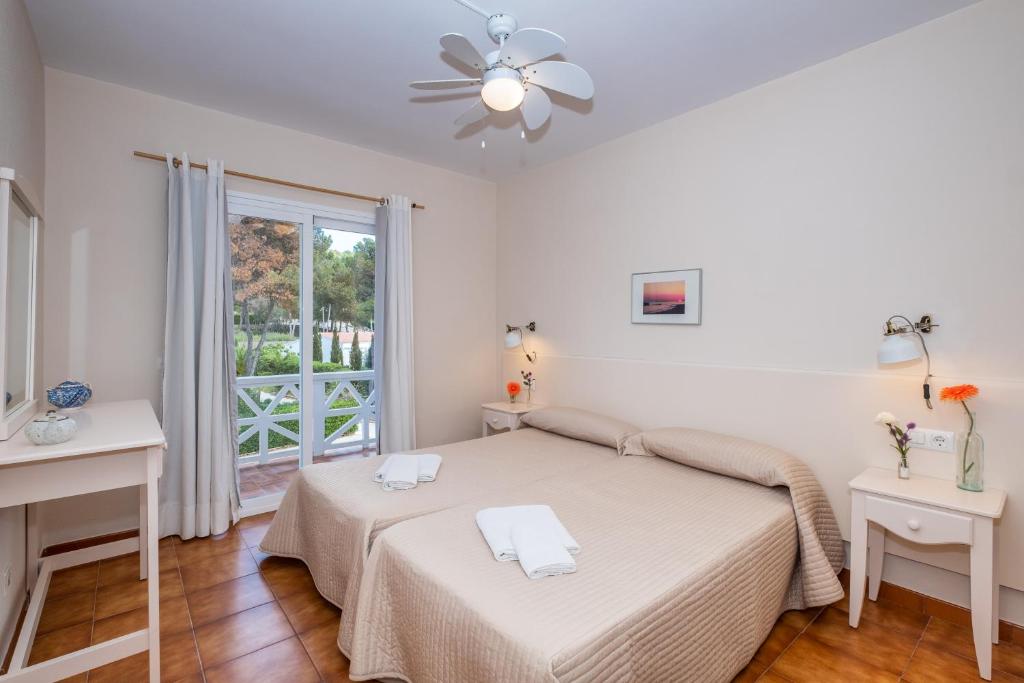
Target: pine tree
column 318, row 344
column 335, row 348
column 369, row 356
column 355, row 356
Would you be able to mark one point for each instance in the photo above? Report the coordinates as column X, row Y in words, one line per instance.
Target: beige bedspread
column 332, row 512
column 681, row 576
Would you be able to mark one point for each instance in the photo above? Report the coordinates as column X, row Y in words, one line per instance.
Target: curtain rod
column 274, row 181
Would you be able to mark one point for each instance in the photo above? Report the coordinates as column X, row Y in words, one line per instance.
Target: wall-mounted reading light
column 898, row 346
column 514, row 338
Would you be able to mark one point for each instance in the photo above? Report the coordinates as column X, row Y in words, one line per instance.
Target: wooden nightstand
column 931, row 511
column 503, row 415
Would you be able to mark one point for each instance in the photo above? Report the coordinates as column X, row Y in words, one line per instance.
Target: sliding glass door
column 303, row 324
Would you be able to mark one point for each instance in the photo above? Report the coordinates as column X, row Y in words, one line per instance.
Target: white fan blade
column 449, row 83
column 529, row 45
column 561, row 76
column 473, row 114
column 536, row 107
column 459, row 47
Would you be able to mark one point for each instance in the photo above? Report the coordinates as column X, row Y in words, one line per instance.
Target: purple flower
column 911, row 425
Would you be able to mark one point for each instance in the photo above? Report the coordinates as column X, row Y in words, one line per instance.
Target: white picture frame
column 16, row 197
column 667, row 297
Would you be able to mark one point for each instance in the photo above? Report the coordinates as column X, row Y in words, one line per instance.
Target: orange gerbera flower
column 513, row 388
column 961, row 392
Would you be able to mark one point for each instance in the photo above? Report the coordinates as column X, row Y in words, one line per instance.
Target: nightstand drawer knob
column 494, row 420
column 913, row 524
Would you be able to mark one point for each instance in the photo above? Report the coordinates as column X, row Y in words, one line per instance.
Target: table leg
column 981, row 594
column 153, row 561
column 995, row 585
column 143, row 533
column 32, row 549
column 876, row 556
column 484, row 432
column 858, row 557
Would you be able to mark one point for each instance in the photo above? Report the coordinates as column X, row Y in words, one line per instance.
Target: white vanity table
column 118, row 444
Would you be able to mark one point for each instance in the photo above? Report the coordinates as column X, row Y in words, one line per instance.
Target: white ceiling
column 340, row 68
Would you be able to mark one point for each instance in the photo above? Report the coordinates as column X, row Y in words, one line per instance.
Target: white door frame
column 308, row 216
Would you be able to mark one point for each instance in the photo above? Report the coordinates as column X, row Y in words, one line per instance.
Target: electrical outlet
column 933, row 440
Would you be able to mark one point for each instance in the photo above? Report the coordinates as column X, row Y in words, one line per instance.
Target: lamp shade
column 514, row 338
column 897, row 348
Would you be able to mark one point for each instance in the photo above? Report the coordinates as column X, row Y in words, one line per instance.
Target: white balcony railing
column 344, row 415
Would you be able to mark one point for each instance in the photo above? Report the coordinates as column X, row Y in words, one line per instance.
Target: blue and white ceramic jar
column 69, row 395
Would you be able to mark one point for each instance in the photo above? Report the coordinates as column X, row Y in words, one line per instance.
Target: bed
column 332, row 513
column 688, row 557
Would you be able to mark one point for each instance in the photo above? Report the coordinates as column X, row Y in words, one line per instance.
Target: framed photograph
column 669, row 297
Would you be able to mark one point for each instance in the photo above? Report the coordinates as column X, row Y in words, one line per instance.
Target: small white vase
column 51, row 429
column 904, row 471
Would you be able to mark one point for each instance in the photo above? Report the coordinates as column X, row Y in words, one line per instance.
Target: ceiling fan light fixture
column 503, row 89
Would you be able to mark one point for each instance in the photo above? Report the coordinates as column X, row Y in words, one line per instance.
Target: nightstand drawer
column 496, row 420
column 916, row 523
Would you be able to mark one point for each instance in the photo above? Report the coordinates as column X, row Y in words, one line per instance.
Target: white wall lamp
column 514, row 338
column 899, row 347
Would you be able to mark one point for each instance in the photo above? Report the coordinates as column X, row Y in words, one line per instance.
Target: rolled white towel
column 402, row 472
column 496, row 526
column 427, row 466
column 540, row 551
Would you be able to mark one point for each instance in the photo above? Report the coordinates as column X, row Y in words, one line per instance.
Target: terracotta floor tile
column 810, row 661
column 217, row 569
column 60, row 642
column 889, row 615
column 287, row 578
column 750, row 673
column 230, row 597
column 67, row 610
column 321, row 644
column 126, row 567
column 772, row 677
column 129, row 595
column 283, row 662
column 253, row 532
column 781, row 636
column 174, row 618
column 307, row 609
column 880, row 647
column 934, row 664
column 239, row 634
column 80, row 579
column 943, row 635
column 196, row 549
column 179, row 661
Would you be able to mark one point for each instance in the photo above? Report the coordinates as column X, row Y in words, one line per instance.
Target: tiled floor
column 227, row 613
column 902, row 637
column 273, row 477
column 231, row 613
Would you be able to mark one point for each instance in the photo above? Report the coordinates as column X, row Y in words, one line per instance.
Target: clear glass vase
column 970, row 461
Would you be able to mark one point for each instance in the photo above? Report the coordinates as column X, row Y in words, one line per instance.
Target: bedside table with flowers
column 504, row 415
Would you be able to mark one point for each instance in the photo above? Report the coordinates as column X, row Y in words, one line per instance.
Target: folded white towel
column 402, row 473
column 427, row 465
column 540, row 551
column 496, row 526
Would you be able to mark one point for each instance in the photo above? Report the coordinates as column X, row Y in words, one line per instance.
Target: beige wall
column 888, row 180
column 21, row 148
column 106, row 251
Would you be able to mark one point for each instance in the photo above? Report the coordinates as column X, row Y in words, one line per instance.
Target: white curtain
column 199, row 488
column 393, row 341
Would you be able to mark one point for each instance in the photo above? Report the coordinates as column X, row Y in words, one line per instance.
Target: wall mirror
column 19, row 235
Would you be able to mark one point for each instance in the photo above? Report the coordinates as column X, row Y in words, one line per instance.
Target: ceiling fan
column 513, row 75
